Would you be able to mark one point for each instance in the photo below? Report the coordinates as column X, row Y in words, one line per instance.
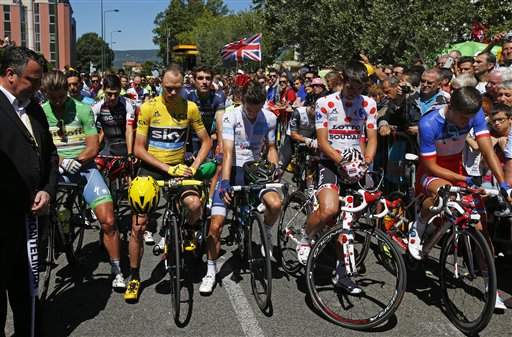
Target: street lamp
column 103, row 33
column 112, row 32
column 112, row 42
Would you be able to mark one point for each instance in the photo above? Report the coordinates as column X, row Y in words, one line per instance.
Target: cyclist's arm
column 324, row 146
column 485, row 145
column 371, row 147
column 142, row 153
column 101, row 136
column 206, row 145
column 508, row 171
column 129, row 138
column 297, row 137
column 227, row 161
column 218, row 124
column 91, row 149
column 272, row 155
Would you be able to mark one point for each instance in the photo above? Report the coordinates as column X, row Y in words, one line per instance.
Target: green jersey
column 77, row 123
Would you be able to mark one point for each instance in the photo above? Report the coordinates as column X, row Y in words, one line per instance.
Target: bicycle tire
column 289, row 230
column 260, row 266
column 75, row 237
column 47, row 242
column 173, row 256
column 456, row 316
column 318, row 279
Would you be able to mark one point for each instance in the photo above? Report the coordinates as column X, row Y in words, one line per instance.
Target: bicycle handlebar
column 250, row 188
column 173, row 183
column 442, row 200
column 364, row 204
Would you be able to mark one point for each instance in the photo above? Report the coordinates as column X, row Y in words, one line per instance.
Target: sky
column 134, row 19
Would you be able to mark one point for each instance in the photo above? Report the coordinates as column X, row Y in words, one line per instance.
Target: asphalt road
column 91, row 308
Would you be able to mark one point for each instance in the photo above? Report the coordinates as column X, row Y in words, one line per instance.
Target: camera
column 406, row 89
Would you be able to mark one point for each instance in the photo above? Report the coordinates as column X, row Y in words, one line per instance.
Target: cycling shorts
column 237, row 178
column 95, row 190
column 327, row 176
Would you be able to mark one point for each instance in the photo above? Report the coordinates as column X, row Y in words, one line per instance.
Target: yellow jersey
column 166, row 131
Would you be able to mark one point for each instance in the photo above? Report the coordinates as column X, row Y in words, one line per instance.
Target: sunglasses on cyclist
column 171, row 89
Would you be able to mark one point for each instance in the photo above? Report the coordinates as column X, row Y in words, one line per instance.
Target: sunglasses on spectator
column 283, row 82
column 95, row 81
column 428, row 82
column 202, row 78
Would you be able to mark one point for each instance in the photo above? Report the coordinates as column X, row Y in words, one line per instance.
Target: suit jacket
column 26, row 166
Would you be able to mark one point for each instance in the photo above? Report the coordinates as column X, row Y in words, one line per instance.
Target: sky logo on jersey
column 167, row 138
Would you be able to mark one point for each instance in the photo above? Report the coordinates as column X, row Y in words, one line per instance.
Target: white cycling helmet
column 352, row 168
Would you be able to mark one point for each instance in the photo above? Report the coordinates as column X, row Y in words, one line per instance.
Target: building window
column 23, row 27
column 7, row 20
column 37, row 28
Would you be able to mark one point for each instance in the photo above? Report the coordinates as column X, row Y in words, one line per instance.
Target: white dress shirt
column 19, row 107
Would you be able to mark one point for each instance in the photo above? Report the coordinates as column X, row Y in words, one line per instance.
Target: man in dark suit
column 28, row 169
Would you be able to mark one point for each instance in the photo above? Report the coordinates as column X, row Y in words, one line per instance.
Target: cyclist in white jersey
column 246, row 130
column 342, row 120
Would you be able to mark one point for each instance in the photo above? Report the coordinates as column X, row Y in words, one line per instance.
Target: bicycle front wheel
column 293, row 219
column 258, row 256
column 173, row 261
column 468, row 280
column 383, row 284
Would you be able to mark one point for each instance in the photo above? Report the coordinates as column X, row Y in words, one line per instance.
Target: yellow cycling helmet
column 143, row 195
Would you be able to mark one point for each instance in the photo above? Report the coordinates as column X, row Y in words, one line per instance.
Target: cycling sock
column 212, row 267
column 135, row 273
column 115, row 267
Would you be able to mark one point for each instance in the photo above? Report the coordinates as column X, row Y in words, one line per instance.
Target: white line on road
column 243, row 310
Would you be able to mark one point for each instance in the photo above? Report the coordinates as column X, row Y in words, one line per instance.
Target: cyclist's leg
column 98, row 197
column 213, row 242
column 430, row 186
column 272, row 202
column 191, row 200
column 328, row 201
column 135, row 246
column 285, row 153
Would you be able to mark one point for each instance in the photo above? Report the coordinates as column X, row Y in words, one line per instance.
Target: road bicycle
column 356, row 248
column 247, row 231
column 64, row 232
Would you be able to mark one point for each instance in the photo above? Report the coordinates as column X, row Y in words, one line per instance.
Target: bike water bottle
column 64, row 218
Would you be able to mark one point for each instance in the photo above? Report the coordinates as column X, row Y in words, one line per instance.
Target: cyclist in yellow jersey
column 160, row 144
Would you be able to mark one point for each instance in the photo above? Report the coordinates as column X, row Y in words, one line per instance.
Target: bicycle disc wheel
column 292, row 221
column 173, row 256
column 259, row 264
column 468, row 280
column 46, row 258
column 383, row 287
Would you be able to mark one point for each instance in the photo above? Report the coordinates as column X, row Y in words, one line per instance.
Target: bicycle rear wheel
column 258, row 257
column 383, row 285
column 468, row 280
column 292, row 221
column 173, row 260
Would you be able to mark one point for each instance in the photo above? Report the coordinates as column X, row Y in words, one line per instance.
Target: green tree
column 88, row 49
column 335, row 31
column 147, row 67
column 212, row 32
column 180, row 17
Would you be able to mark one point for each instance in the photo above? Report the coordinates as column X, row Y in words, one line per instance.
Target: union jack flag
column 249, row 48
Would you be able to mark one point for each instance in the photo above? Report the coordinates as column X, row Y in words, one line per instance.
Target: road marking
column 240, row 304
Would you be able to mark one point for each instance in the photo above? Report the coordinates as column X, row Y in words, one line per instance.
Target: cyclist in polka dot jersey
column 342, row 121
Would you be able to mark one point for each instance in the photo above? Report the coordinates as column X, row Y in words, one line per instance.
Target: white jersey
column 345, row 120
column 248, row 137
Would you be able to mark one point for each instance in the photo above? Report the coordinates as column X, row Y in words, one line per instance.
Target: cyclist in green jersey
column 74, row 133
